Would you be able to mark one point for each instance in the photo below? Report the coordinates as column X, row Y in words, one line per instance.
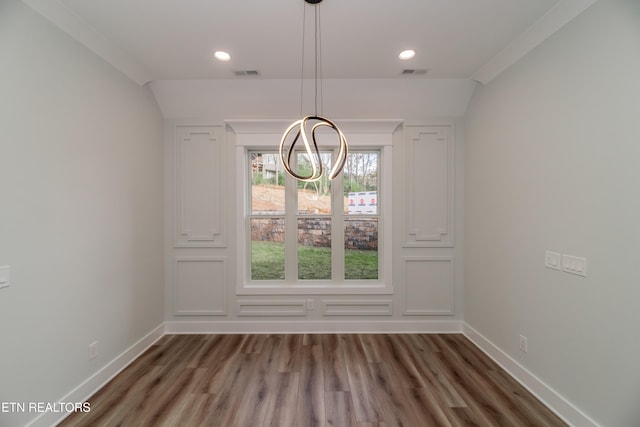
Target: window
column 323, row 230
column 324, row 237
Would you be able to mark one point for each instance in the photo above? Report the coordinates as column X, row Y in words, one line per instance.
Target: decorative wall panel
column 429, row 286
column 429, row 183
column 199, row 173
column 357, row 308
column 200, row 286
column 272, row 308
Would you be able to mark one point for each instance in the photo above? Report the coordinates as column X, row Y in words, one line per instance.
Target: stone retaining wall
column 359, row 233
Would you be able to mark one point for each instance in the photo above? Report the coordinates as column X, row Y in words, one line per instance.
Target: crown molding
column 557, row 17
column 265, row 126
column 69, row 22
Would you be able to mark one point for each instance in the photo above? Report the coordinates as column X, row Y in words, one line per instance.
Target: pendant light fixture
column 305, row 129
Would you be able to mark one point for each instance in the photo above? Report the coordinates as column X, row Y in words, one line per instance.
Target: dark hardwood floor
column 341, row 380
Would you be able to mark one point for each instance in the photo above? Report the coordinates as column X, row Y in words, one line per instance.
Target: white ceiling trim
column 76, row 27
column 543, row 28
column 351, row 126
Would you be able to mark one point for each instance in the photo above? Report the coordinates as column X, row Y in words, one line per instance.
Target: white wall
column 551, row 157
column 80, row 211
column 204, row 290
column 411, row 99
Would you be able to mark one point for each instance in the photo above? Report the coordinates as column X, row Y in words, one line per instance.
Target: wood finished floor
column 327, row 380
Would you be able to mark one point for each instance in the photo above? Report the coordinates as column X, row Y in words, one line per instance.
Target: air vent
column 242, row 73
column 412, row 72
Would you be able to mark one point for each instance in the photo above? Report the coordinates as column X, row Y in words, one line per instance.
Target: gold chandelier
column 304, row 129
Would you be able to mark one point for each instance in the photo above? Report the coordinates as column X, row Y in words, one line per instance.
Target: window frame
column 268, row 142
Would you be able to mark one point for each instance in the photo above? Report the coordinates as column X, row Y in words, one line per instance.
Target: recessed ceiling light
column 407, row 54
column 222, row 56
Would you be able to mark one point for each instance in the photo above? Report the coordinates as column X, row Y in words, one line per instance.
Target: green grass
column 360, row 264
column 314, row 263
column 267, row 261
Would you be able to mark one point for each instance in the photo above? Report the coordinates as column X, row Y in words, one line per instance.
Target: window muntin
column 333, row 241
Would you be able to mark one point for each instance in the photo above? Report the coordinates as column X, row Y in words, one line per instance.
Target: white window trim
column 366, row 134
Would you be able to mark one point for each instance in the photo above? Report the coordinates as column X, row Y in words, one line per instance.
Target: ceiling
column 175, row 40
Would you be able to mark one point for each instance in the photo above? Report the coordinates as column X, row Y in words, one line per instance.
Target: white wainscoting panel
column 272, row 308
column 429, row 286
column 429, row 181
column 200, row 286
column 357, row 308
column 200, row 160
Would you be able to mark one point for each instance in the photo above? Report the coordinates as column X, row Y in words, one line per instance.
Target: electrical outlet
column 524, row 346
column 310, row 304
column 574, row 265
column 4, row 276
column 93, row 350
column 553, row 260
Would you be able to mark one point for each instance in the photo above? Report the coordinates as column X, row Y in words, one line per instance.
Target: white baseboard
column 563, row 408
column 552, row 399
column 94, row 383
column 323, row 326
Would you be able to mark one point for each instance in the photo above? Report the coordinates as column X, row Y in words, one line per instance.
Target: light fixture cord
column 318, row 60
column 304, row 31
column 315, row 63
column 317, row 66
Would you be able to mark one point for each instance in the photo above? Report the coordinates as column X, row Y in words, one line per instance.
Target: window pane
column 267, row 184
column 361, row 183
column 314, row 248
column 267, row 249
column 361, row 248
column 314, row 197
